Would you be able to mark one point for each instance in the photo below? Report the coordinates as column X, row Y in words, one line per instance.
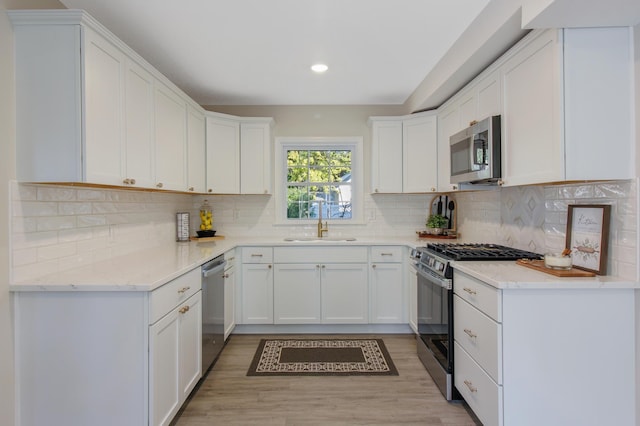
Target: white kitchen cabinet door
column 223, row 155
column 386, row 156
column 489, row 95
column 104, row 75
column 296, row 293
column 532, row 148
column 229, row 299
column 257, row 293
column 344, row 293
column 190, row 344
column 468, row 107
column 196, row 151
column 139, row 125
column 255, row 157
column 171, row 139
column 448, row 124
column 387, row 293
column 420, row 154
column 164, row 369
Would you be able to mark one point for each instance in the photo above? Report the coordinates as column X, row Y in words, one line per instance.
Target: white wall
column 7, row 172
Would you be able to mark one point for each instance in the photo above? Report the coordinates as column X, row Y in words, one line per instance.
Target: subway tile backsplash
column 56, row 227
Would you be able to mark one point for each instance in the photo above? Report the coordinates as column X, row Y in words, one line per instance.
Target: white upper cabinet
column 404, row 153
column 567, row 107
column 90, row 110
column 238, row 154
column 171, row 139
column 196, row 151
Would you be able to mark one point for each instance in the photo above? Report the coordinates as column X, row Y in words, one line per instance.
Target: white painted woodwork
column 223, row 155
column 171, row 139
column 104, row 74
column 387, row 253
column 139, row 126
column 412, row 277
column 554, row 126
column 90, row 110
column 386, row 155
column 142, row 368
column 257, row 285
column 448, row 124
column 345, row 293
column 387, row 293
column 420, row 154
column 540, row 345
column 196, row 151
column 255, row 157
column 296, row 293
column 230, row 291
column 330, row 254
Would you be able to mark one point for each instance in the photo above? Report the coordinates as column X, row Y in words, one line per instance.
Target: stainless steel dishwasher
column 212, row 310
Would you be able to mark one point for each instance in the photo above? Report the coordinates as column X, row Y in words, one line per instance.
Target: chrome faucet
column 321, row 229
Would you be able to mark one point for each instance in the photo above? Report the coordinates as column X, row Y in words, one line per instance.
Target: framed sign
column 588, row 236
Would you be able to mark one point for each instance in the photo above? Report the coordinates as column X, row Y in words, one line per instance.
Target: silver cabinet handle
column 469, row 290
column 183, row 290
column 386, row 254
column 470, row 333
column 184, row 309
column 470, row 386
column 256, row 255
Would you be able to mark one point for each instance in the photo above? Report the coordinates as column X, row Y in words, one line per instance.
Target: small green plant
column 437, row 221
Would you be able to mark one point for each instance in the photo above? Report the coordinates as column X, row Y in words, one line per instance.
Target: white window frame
column 352, row 143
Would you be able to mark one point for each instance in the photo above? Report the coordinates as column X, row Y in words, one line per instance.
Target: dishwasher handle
column 208, row 270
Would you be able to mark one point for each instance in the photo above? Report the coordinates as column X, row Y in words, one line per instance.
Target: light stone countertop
column 509, row 275
column 149, row 269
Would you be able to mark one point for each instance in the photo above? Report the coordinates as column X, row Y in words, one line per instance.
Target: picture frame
column 588, row 236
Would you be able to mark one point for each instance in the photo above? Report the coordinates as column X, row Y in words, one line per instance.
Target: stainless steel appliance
column 212, row 310
column 476, row 153
column 435, row 302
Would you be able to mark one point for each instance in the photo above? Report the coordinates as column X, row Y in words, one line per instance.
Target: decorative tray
column 425, row 234
column 538, row 265
column 205, row 239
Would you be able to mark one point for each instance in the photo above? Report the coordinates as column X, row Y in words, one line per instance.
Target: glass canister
column 206, row 216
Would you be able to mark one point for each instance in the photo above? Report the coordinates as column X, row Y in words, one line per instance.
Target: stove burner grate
column 480, row 251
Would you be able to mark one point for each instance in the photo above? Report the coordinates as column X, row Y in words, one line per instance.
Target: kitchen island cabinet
column 534, row 354
column 107, row 357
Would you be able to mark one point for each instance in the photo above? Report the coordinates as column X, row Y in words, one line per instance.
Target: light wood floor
column 228, row 397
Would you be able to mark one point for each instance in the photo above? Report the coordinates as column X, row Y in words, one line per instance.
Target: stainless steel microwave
column 475, row 153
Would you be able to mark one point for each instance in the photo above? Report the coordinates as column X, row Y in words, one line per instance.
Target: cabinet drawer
column 257, row 255
column 327, row 254
column 386, row 254
column 480, row 336
column 230, row 257
column 482, row 394
column 170, row 295
column 478, row 294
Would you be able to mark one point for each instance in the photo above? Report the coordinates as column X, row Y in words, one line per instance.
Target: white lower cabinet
column 528, row 357
column 229, row 293
column 332, row 290
column 106, row 358
column 387, row 286
column 257, row 285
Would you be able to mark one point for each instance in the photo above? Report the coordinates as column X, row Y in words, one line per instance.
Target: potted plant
column 436, row 224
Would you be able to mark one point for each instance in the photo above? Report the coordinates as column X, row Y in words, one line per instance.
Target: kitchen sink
column 318, row 239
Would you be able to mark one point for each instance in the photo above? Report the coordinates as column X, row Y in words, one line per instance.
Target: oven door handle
column 432, row 277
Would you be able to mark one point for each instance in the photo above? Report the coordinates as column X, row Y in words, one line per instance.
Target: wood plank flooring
column 228, row 397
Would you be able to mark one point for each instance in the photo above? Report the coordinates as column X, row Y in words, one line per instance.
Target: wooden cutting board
column 538, row 265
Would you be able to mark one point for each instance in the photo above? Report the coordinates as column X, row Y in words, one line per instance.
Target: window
column 319, row 178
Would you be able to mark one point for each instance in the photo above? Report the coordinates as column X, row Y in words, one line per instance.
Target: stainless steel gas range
column 435, row 302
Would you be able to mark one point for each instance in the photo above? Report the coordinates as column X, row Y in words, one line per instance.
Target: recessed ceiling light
column 319, row 68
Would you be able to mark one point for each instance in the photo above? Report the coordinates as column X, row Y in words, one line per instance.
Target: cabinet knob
column 184, row 309
column 126, row 181
column 266, row 191
column 159, row 185
column 270, row 266
column 225, row 276
column 374, row 265
column 375, row 190
column 210, row 190
column 433, row 189
column 470, row 386
column 323, row 266
column 500, row 182
column 191, row 188
column 455, row 187
column 317, row 266
column 132, row 181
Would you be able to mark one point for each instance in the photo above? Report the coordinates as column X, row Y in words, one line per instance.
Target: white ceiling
column 258, row 52
column 414, row 53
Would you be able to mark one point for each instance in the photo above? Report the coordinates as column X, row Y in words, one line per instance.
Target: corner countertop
column 148, row 269
column 509, row 275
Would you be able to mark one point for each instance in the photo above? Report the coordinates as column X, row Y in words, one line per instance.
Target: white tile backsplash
column 56, row 228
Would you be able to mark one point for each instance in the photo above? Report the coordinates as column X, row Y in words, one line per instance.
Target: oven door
column 435, row 322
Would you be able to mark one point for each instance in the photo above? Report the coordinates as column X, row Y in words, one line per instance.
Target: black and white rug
column 319, row 357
